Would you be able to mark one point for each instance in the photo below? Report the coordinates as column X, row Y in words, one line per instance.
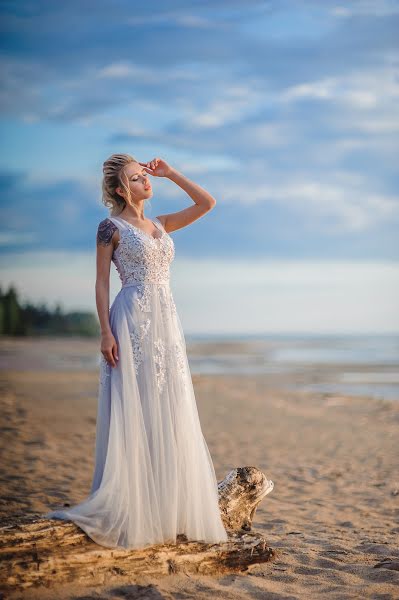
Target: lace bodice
column 139, row 257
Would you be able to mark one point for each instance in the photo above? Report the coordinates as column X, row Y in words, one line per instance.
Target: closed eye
column 143, row 172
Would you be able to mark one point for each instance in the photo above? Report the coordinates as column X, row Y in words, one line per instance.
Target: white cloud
column 195, row 21
column 269, row 134
column 143, row 74
column 377, row 8
column 373, row 125
column 324, row 89
column 229, row 103
column 341, row 11
column 325, row 154
column 358, row 90
column 338, row 202
column 173, row 18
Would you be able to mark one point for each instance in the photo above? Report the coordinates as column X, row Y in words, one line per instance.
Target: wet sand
column 333, row 514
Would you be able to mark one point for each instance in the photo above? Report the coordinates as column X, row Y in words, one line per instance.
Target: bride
column 153, row 478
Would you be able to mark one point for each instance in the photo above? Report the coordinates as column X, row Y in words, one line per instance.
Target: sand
column 333, row 515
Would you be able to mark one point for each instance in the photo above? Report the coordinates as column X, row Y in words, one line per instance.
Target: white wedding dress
column 153, row 477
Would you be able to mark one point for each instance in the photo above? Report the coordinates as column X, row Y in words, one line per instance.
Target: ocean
column 332, row 364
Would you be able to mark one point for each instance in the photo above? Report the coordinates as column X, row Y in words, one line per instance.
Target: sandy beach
column 332, row 517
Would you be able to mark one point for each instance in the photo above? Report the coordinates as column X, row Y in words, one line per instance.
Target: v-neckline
column 142, row 230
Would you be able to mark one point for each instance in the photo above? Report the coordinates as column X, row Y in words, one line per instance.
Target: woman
column 154, row 478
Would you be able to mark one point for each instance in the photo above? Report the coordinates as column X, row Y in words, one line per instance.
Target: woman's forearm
column 195, row 191
column 102, row 302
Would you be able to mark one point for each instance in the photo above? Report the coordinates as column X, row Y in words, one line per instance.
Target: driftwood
column 43, row 552
column 240, row 492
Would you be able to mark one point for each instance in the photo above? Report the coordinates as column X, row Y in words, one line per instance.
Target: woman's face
column 135, row 176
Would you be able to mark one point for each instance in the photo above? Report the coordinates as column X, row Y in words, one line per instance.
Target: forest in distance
column 22, row 319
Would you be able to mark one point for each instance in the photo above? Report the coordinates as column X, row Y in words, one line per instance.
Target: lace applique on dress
column 160, row 361
column 180, row 362
column 141, row 258
column 172, row 304
column 144, row 297
column 163, row 299
column 172, row 355
column 105, row 370
column 137, row 338
column 167, row 302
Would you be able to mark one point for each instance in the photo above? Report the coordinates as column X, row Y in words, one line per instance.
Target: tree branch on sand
column 46, row 552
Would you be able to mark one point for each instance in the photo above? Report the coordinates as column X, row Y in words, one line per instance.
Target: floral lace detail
column 160, row 361
column 105, row 370
column 167, row 302
column 163, row 298
column 141, row 258
column 180, row 360
column 137, row 343
column 164, row 355
column 172, row 304
column 144, row 297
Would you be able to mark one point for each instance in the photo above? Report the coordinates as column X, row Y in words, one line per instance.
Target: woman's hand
column 157, row 167
column 109, row 348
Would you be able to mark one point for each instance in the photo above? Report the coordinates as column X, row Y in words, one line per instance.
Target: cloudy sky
column 287, row 112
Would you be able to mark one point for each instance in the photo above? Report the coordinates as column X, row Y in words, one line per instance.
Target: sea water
column 341, row 364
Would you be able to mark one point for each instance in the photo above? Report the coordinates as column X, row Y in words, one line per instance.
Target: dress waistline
column 135, row 283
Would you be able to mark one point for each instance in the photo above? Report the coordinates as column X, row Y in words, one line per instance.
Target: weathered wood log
column 44, row 552
column 240, row 492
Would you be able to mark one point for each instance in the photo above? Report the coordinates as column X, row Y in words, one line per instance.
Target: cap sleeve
column 105, row 231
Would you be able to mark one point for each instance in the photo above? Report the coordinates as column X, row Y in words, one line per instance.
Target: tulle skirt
column 153, row 477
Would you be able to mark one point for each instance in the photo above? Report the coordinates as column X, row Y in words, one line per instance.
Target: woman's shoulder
column 105, row 230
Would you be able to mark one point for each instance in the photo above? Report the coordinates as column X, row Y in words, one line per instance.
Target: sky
column 286, row 112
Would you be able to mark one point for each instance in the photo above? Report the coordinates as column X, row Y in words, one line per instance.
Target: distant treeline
column 18, row 319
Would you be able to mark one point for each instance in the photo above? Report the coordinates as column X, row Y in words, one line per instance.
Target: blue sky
column 287, row 112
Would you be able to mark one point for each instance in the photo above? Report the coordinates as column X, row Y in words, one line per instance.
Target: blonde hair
column 112, row 178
